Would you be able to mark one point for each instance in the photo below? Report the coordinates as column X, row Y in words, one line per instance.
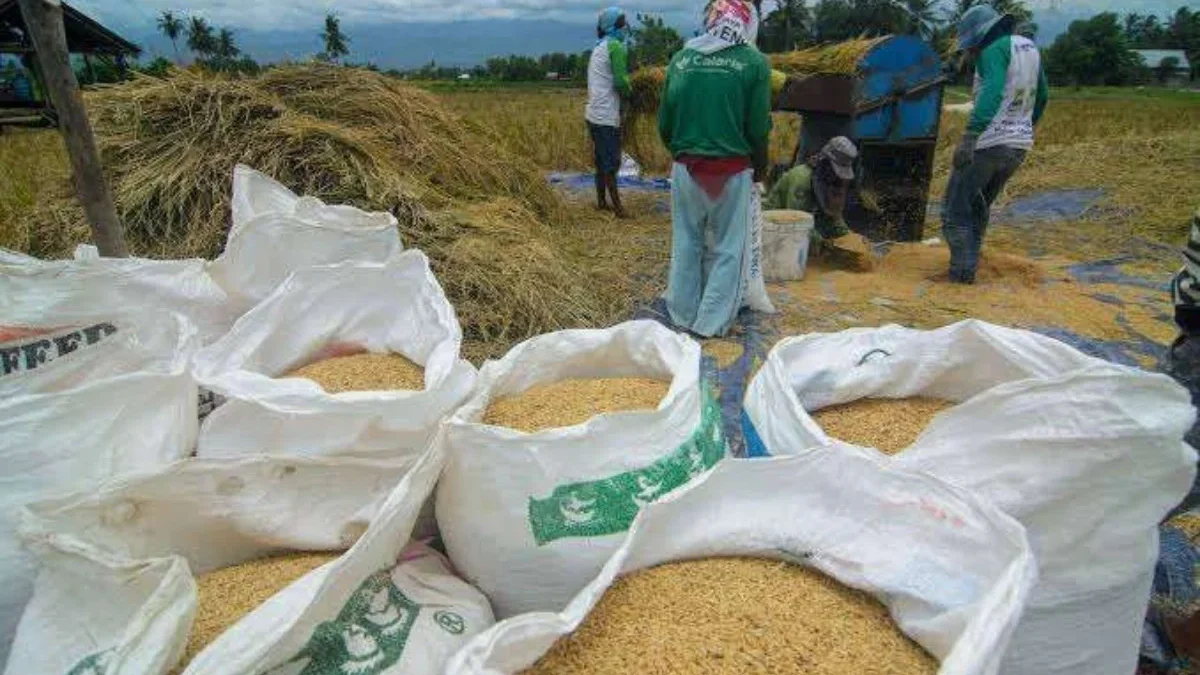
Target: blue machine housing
column 892, row 110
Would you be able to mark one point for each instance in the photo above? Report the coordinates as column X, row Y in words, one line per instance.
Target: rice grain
column 887, row 424
column 733, row 616
column 569, row 402
column 364, row 372
column 230, row 593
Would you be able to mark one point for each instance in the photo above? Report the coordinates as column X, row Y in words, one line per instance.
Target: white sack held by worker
column 529, row 518
column 83, row 398
column 321, row 312
column 41, row 292
column 122, row 565
column 274, row 233
column 953, row 571
column 1086, row 454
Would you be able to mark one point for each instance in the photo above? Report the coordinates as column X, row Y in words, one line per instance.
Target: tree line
column 1095, row 51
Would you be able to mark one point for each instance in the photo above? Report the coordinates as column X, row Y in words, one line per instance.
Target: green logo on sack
column 450, row 622
column 367, row 637
column 609, row 505
column 95, row 664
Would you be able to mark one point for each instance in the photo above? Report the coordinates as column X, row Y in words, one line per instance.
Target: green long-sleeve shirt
column 717, row 105
column 794, row 192
column 1010, row 93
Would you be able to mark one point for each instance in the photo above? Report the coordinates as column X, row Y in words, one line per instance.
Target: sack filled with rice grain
column 266, row 565
column 1087, row 454
column 679, row 595
column 354, row 359
column 564, row 440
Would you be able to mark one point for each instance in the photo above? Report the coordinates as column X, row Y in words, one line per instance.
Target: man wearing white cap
column 1010, row 95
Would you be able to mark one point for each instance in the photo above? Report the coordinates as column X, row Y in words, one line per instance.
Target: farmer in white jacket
column 1010, row 95
column 608, row 79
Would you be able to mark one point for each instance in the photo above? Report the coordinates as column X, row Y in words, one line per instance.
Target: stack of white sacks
column 150, row 439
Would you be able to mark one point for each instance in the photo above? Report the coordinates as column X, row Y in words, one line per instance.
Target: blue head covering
column 608, row 24
column 974, row 25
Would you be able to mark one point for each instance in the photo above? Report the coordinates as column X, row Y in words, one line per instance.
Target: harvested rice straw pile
column 569, row 402
column 645, row 89
column 887, row 424
column 364, row 372
column 228, row 594
column 842, row 58
column 734, row 616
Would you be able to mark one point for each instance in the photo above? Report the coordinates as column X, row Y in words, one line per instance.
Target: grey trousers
column 968, row 201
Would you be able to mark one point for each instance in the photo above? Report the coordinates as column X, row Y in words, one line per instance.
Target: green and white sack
column 85, row 396
column 319, row 312
column 530, row 518
column 952, row 569
column 116, row 587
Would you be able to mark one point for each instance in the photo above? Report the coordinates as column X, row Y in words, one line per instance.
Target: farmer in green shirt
column 608, row 79
column 1010, row 95
column 715, row 118
column 819, row 186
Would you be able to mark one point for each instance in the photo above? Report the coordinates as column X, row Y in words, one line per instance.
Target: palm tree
column 172, row 27
column 923, row 19
column 225, row 48
column 200, row 37
column 336, row 43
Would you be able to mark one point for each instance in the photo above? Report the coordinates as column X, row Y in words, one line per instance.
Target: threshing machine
column 891, row 110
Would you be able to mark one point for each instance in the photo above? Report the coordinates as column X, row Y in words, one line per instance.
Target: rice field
column 1141, row 147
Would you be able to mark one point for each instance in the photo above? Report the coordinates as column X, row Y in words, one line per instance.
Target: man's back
column 716, row 105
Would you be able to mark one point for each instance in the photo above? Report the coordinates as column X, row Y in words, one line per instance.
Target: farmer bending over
column 1010, row 95
column 608, row 77
column 715, row 119
column 819, row 187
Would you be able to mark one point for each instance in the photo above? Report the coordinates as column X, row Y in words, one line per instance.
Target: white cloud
column 285, row 14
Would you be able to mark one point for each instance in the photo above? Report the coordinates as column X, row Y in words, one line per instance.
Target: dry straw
column 483, row 214
column 734, row 616
column 569, row 402
column 843, row 58
column 363, row 372
column 887, row 424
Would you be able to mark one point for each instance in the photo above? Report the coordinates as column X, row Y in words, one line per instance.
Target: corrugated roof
column 84, row 34
column 1153, row 57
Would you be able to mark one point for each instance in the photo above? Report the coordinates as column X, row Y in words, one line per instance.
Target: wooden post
column 91, row 70
column 44, row 20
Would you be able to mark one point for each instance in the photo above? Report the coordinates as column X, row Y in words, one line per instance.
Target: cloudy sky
column 285, row 14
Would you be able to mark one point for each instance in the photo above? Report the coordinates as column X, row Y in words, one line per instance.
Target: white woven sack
column 530, row 518
column 274, row 233
column 117, row 587
column 319, row 312
column 83, row 399
column 952, row 569
column 40, row 292
column 1086, row 454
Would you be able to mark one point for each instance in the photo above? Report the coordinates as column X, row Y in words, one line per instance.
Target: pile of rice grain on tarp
column 887, row 424
column 735, row 615
column 347, row 136
column 228, row 594
column 570, row 402
column 363, row 372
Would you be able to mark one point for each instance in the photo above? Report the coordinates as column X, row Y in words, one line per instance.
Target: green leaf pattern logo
column 609, row 505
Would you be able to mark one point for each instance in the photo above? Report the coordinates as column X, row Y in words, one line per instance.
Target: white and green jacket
column 1010, row 93
column 608, row 77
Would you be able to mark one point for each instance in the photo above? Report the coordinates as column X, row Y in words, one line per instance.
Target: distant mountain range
column 467, row 43
column 406, row 45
